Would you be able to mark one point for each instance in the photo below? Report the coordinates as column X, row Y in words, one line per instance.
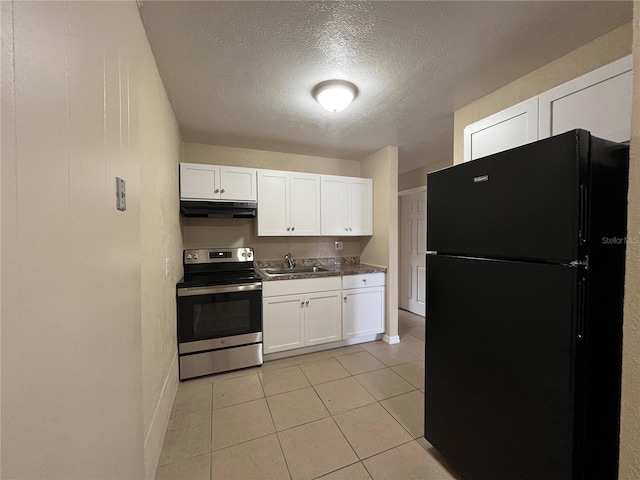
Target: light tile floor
column 355, row 412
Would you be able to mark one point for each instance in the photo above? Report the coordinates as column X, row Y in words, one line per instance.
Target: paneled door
column 413, row 248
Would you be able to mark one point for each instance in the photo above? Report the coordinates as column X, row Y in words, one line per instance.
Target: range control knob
column 195, row 256
column 249, row 254
column 244, row 254
column 188, row 256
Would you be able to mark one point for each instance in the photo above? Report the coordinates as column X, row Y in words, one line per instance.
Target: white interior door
column 413, row 246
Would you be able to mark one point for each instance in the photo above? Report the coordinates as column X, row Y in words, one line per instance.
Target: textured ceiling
column 240, row 73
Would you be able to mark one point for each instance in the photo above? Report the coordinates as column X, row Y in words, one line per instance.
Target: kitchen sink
column 294, row 270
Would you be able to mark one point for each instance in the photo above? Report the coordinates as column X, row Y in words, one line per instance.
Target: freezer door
column 500, row 350
column 523, row 203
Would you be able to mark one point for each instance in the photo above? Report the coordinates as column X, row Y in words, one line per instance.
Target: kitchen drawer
column 275, row 288
column 363, row 280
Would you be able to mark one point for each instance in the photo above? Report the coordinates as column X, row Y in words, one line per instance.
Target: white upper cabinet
column 360, row 206
column 215, row 182
column 599, row 101
column 288, row 203
column 347, row 206
column 238, row 183
column 507, row 129
column 305, row 204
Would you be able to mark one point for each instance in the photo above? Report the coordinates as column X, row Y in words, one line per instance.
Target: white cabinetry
column 507, row 129
column 289, row 203
column 215, row 182
column 363, row 307
column 299, row 313
column 347, row 206
column 599, row 101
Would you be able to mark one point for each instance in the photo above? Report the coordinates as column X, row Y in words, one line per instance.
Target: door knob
column 217, row 190
column 222, row 191
column 307, row 302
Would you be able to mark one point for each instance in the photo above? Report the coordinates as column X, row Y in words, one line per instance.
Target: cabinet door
column 273, row 203
column 238, row 183
column 362, row 312
column 305, row 204
column 199, row 182
column 360, row 206
column 283, row 322
column 599, row 101
column 323, row 318
column 507, row 129
column 333, row 210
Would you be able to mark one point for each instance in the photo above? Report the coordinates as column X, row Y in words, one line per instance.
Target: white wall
column 79, row 89
column 382, row 248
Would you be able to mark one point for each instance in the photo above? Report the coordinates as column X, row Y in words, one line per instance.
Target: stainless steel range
column 219, row 312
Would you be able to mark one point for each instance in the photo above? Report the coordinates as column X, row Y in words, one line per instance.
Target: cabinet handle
column 350, row 229
column 293, row 228
column 302, row 303
column 288, row 229
column 364, row 280
column 346, row 229
column 345, row 299
column 217, row 190
column 307, row 302
column 222, row 191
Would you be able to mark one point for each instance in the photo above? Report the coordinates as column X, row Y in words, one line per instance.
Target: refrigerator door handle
column 581, row 308
column 581, row 263
column 582, row 232
column 432, row 252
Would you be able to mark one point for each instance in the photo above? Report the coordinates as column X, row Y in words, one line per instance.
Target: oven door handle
column 192, row 291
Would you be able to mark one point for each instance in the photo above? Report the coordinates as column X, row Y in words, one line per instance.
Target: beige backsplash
column 239, row 232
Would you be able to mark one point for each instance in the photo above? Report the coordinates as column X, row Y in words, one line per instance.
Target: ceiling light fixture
column 335, row 95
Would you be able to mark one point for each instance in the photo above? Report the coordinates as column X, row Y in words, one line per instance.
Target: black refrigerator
column 525, row 286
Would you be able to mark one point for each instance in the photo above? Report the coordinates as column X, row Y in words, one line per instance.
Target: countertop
column 336, row 268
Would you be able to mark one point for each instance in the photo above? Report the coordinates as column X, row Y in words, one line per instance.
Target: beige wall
column 382, row 248
column 418, row 176
column 612, row 46
column 160, row 239
column 208, row 232
column 79, row 85
column 630, row 416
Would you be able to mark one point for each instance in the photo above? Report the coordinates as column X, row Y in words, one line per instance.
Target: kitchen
column 101, row 338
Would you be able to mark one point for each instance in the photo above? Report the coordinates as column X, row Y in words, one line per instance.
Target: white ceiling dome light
column 335, row 95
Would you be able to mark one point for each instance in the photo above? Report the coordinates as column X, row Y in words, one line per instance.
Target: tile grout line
column 284, row 457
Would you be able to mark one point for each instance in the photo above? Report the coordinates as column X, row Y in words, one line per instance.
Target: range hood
column 191, row 208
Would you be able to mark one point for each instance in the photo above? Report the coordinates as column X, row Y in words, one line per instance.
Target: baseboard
column 324, row 346
column 155, row 436
column 391, row 340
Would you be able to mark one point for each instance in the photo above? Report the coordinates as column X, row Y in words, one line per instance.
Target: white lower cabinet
column 323, row 318
column 363, row 308
column 283, row 323
column 300, row 313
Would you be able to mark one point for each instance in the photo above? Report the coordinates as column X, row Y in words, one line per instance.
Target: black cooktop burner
column 218, row 266
column 225, row 278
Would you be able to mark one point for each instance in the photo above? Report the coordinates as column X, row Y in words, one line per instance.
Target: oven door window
column 203, row 317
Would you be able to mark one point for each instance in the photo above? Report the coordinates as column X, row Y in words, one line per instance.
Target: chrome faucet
column 289, row 259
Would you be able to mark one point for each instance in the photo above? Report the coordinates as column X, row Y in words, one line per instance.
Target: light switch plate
column 338, row 245
column 121, row 194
